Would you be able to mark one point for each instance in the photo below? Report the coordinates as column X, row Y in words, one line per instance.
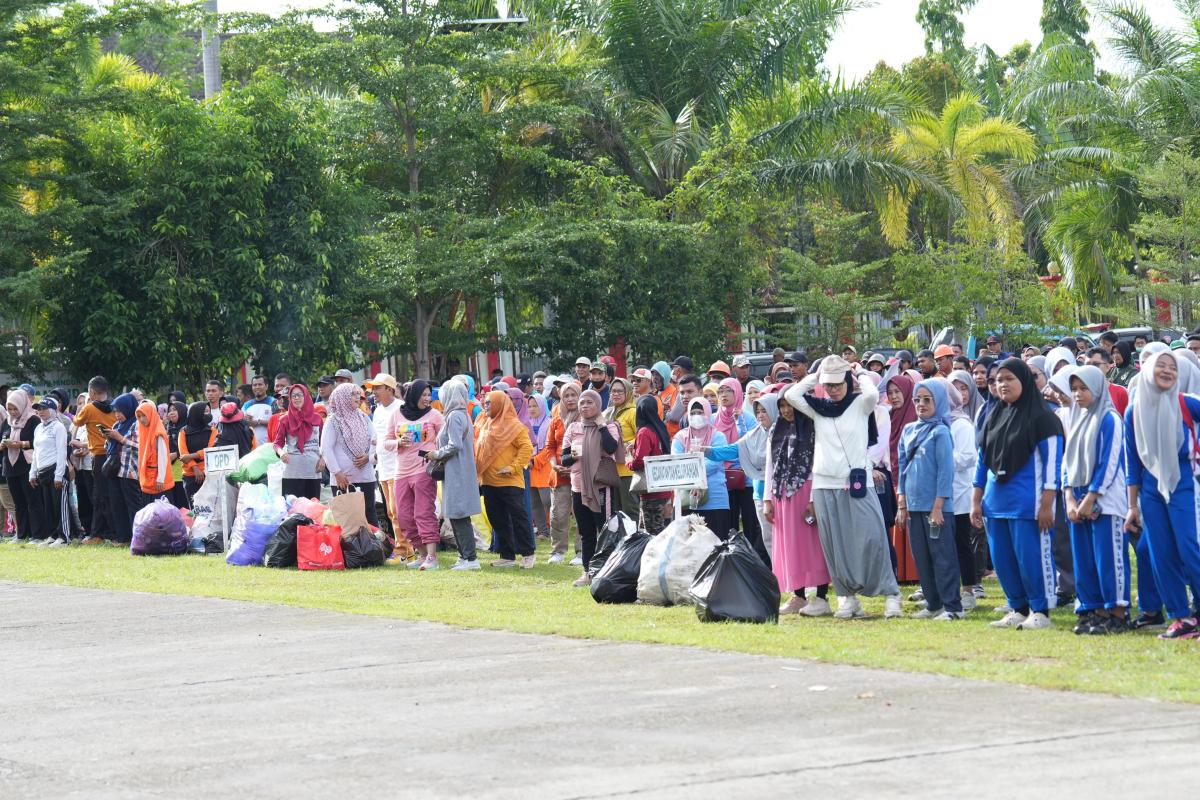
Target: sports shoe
column 415, row 563
column 504, row 562
column 949, row 616
column 924, row 613
column 1115, row 625
column 1004, row 608
column 428, row 563
column 583, row 580
column 978, row 591
column 1036, row 621
column 555, row 558
column 1154, row 620
column 1182, row 628
column 817, row 607
column 1086, row 620
column 1010, row 620
column 891, row 607
column 969, row 603
column 793, row 605
column 849, row 607
column 577, row 561
column 917, row 595
column 464, row 566
column 58, row 543
column 527, row 562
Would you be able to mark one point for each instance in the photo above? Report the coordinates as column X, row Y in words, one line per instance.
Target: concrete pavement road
column 126, row 695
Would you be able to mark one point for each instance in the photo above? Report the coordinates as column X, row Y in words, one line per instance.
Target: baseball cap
column 993, row 339
column 325, row 380
column 641, row 374
column 382, row 379
column 344, row 373
column 851, row 348
column 943, row 350
column 587, row 362
column 876, row 358
column 778, row 351
column 684, row 363
column 231, row 413
column 46, row 402
column 798, row 357
column 741, row 361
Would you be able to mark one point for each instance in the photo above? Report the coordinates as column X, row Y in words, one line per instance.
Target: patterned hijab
column 351, row 423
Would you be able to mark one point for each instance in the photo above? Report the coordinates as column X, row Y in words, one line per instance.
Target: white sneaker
column 555, row 558
column 924, row 613
column 577, row 561
column 891, row 607
column 969, row 603
column 504, row 562
column 527, row 562
column 463, row 566
column 916, row 596
column 948, row 616
column 1036, row 621
column 416, row 562
column 793, row 605
column 58, row 543
column 849, row 607
column 430, row 562
column 978, row 591
column 1010, row 620
column 817, row 607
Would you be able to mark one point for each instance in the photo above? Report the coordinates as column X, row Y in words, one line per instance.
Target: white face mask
column 698, row 421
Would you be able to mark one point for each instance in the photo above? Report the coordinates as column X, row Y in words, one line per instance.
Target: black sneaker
column 1086, row 620
column 1117, row 624
column 1182, row 628
column 1155, row 620
column 1064, row 600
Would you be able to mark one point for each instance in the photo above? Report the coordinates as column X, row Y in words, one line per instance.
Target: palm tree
column 962, row 146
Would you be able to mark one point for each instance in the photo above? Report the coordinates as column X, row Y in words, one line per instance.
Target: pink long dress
column 797, row 560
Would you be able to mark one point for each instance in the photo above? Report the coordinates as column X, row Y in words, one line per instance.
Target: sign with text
column 678, row 471
column 220, row 459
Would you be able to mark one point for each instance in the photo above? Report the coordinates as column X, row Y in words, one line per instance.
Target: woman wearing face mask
column 1160, row 450
column 622, row 409
column 196, row 436
column 588, row 443
column 734, row 423
column 565, row 413
column 698, row 435
column 796, row 557
column 1096, row 505
column 849, row 518
column 298, row 443
column 925, row 501
column 1016, row 480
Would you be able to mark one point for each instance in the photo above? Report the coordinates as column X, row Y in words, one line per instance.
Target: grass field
column 541, row 600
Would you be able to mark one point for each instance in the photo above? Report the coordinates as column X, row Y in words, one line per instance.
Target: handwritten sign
column 220, row 459
column 678, row 471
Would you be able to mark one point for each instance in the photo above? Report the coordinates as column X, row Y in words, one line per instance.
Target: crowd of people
column 1045, row 466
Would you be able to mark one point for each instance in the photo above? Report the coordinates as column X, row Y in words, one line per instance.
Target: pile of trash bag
column 365, row 548
column 281, row 547
column 619, row 526
column 159, row 530
column 672, row 559
column 259, row 516
column 208, row 515
column 734, row 585
column 617, row 580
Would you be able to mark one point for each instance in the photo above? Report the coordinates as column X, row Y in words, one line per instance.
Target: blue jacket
column 1018, row 498
column 930, row 472
column 1137, row 475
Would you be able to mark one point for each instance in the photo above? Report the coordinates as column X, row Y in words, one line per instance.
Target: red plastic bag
column 319, row 547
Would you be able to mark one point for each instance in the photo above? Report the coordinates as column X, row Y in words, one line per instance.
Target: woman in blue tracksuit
column 925, row 496
column 1016, row 480
column 1096, row 503
column 1160, row 450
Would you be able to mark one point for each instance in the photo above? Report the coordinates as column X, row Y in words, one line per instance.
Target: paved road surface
column 122, row 695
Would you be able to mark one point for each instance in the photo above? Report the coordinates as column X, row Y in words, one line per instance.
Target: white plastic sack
column 207, row 512
column 275, row 479
column 672, row 559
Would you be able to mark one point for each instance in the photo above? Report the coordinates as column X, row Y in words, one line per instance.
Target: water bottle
column 935, row 531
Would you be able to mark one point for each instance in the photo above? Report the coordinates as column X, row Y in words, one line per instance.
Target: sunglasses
column 922, row 400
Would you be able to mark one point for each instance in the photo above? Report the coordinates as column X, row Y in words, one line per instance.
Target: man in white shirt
column 386, row 404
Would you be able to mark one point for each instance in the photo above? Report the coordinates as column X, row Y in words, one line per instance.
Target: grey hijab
column 1083, row 425
column 752, row 448
column 1158, row 426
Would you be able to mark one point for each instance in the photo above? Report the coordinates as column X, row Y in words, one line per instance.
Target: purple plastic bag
column 159, row 530
column 247, row 549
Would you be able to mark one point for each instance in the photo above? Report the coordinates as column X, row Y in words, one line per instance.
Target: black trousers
column 965, row 545
column 506, row 512
column 717, row 520
column 589, row 523
column 368, row 492
column 50, row 499
column 126, row 498
column 83, row 497
column 303, row 487
column 104, row 519
column 744, row 517
column 25, row 499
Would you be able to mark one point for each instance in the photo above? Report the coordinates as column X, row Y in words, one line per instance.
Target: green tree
column 1068, row 18
column 943, row 28
column 1170, row 235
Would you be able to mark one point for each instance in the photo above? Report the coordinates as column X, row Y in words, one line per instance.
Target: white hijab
column 1158, row 426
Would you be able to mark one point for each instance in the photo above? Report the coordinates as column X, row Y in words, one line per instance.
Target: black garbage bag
column 617, row 580
column 619, row 526
column 362, row 549
column 281, row 547
column 733, row 584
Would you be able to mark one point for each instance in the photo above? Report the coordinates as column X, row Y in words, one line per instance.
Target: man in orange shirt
column 94, row 416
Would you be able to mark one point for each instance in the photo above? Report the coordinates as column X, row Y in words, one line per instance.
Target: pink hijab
column 726, row 420
column 688, row 436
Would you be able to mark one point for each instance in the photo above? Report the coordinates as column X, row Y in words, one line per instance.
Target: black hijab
column 835, row 408
column 173, row 428
column 1012, row 431
column 646, row 416
column 412, row 397
column 792, row 447
column 196, row 428
column 237, row 434
column 1126, row 350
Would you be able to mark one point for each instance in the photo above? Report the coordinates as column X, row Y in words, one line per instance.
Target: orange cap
column 943, row 350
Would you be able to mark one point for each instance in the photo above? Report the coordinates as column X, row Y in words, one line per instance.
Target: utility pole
column 210, row 39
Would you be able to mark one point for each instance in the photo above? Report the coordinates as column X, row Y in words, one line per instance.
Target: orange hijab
column 499, row 430
column 150, row 430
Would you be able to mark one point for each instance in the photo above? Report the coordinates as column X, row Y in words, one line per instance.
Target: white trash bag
column 672, row 559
